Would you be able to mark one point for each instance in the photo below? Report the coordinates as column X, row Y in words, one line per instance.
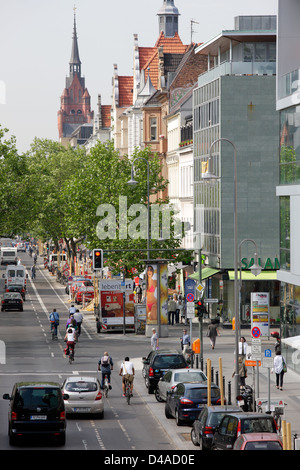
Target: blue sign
column 189, row 288
column 268, row 353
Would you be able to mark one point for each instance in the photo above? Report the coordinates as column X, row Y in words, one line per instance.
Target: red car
column 76, row 284
column 258, row 441
column 84, row 291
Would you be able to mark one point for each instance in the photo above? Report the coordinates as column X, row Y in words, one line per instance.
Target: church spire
column 75, row 63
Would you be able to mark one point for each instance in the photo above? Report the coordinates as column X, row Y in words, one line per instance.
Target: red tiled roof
column 125, row 91
column 106, row 115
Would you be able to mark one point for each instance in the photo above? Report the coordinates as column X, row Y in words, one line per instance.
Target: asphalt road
column 32, row 355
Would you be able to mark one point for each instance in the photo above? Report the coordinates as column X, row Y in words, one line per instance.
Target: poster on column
column 157, row 274
column 260, row 312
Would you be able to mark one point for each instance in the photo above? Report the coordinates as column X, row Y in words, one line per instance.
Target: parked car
column 157, row 363
column 79, row 283
column 21, row 247
column 186, row 401
column 173, row 376
column 12, row 301
column 84, row 396
column 16, row 288
column 84, row 292
column 204, row 426
column 36, row 408
column 258, row 441
column 235, row 424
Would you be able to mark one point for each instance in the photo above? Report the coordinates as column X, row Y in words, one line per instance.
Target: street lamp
column 210, row 176
column 132, row 182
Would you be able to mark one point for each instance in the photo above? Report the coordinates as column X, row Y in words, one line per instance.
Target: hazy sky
column 35, row 49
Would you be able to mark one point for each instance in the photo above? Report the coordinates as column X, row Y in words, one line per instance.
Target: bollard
column 217, row 377
column 288, row 436
column 229, row 393
column 283, row 432
column 208, row 382
column 221, row 374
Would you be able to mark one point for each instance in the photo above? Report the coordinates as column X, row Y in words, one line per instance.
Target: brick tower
column 75, row 101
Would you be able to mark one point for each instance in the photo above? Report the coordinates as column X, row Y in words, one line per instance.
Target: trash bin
column 196, row 346
column 233, row 323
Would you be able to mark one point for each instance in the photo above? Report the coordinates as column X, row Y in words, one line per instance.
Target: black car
column 235, row 424
column 12, row 301
column 36, row 408
column 157, row 363
column 204, row 426
column 16, row 288
column 186, row 400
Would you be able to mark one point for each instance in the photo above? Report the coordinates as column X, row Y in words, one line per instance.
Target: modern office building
column 236, row 100
column 288, row 190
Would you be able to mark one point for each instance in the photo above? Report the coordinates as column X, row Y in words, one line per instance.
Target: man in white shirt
column 127, row 373
column 79, row 318
column 70, row 338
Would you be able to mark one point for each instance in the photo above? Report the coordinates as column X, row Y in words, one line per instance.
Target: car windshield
column 33, row 398
column 263, row 445
column 81, row 387
column 257, row 425
column 189, row 377
column 215, row 418
column 201, row 393
column 12, row 295
column 169, row 362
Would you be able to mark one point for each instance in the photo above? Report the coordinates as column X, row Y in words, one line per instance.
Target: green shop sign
column 269, row 264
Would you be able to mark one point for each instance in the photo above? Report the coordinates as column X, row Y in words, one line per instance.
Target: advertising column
column 260, row 314
column 157, row 299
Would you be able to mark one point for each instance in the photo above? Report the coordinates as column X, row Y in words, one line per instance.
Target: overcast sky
column 35, row 49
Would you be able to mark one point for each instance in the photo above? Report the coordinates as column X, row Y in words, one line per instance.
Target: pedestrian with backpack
column 105, row 366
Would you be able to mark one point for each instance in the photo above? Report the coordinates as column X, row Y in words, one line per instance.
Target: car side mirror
column 6, row 396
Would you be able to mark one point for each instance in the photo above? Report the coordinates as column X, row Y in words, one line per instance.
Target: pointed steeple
column 75, row 63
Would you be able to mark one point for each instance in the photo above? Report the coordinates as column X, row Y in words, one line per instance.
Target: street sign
column 211, row 301
column 200, row 288
column 267, row 362
column 255, row 332
column 268, row 353
column 190, row 310
column 251, row 363
column 190, row 297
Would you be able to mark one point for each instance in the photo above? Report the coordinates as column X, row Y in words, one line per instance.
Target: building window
column 153, row 128
column 285, row 232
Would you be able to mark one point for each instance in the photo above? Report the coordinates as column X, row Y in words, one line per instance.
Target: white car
column 84, row 396
column 174, row 376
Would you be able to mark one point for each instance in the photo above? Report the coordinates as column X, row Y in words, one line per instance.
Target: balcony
column 237, row 68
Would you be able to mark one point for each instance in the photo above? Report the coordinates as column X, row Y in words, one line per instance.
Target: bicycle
column 127, row 391
column 71, row 355
column 105, row 386
column 53, row 331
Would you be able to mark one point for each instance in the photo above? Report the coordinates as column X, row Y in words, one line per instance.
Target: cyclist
column 72, row 310
column 70, row 338
column 105, row 365
column 78, row 317
column 127, row 373
column 54, row 320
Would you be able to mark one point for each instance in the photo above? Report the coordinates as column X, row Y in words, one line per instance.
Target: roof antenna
column 192, row 31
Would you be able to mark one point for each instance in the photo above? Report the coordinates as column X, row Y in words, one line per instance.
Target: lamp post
column 133, row 183
column 211, row 176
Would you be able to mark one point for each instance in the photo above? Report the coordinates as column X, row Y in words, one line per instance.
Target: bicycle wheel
column 128, row 393
column 105, row 390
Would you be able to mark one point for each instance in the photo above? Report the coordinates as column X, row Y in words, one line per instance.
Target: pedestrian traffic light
column 97, row 259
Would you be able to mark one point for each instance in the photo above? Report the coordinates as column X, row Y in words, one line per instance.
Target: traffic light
column 199, row 308
column 97, row 259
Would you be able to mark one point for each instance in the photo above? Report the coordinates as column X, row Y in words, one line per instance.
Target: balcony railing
column 237, row 68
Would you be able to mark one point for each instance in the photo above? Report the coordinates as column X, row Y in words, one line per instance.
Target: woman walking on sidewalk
column 279, row 369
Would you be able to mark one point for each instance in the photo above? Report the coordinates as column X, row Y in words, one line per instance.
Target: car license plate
column 38, row 417
column 81, row 410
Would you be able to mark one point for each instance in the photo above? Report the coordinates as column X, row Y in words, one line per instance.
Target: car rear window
column 169, row 362
column 81, row 387
column 264, row 445
column 258, row 425
column 215, row 418
column 202, row 393
column 189, row 377
column 33, row 398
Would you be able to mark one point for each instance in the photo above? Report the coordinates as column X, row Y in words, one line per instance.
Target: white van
column 8, row 255
column 15, row 275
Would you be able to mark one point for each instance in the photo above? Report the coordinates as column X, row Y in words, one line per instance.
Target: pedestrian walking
column 33, row 272
column 279, row 369
column 154, row 340
column 243, row 346
column 179, row 309
column 212, row 333
column 242, row 371
column 185, row 341
column 171, row 311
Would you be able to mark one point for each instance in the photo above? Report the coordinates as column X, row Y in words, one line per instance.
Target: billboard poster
column 157, row 285
column 112, row 302
column 163, row 290
column 260, row 312
column 151, row 293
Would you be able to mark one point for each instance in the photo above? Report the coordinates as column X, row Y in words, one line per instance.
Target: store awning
column 267, row 275
column 205, row 273
column 293, row 342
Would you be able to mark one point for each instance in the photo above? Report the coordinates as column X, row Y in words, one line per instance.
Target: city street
column 32, row 355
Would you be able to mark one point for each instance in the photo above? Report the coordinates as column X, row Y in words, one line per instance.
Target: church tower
column 168, row 19
column 75, row 101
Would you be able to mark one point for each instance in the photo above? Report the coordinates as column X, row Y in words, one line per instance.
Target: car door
column 164, row 384
column 220, row 434
column 174, row 397
column 231, row 433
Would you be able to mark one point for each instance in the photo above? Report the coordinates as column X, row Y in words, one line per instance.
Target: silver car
column 84, row 394
column 173, row 377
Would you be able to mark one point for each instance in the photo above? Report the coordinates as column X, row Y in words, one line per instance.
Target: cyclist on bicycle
column 54, row 320
column 105, row 365
column 70, row 338
column 127, row 373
